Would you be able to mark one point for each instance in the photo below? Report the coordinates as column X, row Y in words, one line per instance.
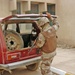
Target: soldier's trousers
column 46, row 63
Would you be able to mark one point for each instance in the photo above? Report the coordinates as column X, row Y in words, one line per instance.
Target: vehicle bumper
column 14, row 65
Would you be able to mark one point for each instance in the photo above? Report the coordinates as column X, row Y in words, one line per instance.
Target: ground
column 64, row 60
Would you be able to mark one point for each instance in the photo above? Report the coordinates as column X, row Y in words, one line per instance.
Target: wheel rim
column 13, row 40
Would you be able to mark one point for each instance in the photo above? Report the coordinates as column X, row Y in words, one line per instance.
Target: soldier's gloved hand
column 48, row 15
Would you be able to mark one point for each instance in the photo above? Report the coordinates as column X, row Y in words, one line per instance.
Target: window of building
column 35, row 8
column 18, row 7
column 51, row 8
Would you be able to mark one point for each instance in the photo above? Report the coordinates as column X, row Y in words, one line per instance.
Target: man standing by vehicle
column 47, row 42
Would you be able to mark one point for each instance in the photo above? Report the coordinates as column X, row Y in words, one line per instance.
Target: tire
column 13, row 40
column 33, row 67
column 1, row 71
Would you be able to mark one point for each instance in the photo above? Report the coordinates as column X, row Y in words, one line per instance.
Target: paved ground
column 65, row 60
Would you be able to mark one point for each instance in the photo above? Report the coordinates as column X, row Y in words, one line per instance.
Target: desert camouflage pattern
column 46, row 63
column 47, row 41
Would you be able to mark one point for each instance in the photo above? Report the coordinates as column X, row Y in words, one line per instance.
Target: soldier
column 47, row 42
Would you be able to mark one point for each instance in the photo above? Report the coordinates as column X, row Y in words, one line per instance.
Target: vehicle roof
column 21, row 18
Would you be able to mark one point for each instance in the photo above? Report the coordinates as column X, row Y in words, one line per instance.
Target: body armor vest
column 50, row 41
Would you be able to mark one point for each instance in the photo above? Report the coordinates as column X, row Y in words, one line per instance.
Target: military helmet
column 43, row 20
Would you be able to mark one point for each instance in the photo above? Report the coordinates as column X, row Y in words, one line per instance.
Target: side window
column 24, row 27
column 9, row 27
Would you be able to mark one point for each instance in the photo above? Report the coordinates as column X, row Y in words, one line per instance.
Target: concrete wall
column 8, row 6
column 26, row 4
column 49, row 1
column 65, row 9
column 4, row 8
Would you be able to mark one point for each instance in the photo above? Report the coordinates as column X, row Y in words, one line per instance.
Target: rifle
column 32, row 45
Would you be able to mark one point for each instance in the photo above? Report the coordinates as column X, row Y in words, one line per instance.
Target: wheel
column 33, row 67
column 13, row 40
column 1, row 71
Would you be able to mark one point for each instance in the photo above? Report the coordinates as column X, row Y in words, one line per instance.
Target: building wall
column 8, row 7
column 4, row 8
column 48, row 1
column 65, row 11
column 26, row 4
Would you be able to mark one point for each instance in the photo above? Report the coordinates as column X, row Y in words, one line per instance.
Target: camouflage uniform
column 47, row 43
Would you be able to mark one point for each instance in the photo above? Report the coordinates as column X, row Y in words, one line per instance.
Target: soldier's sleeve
column 55, row 23
column 40, row 41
